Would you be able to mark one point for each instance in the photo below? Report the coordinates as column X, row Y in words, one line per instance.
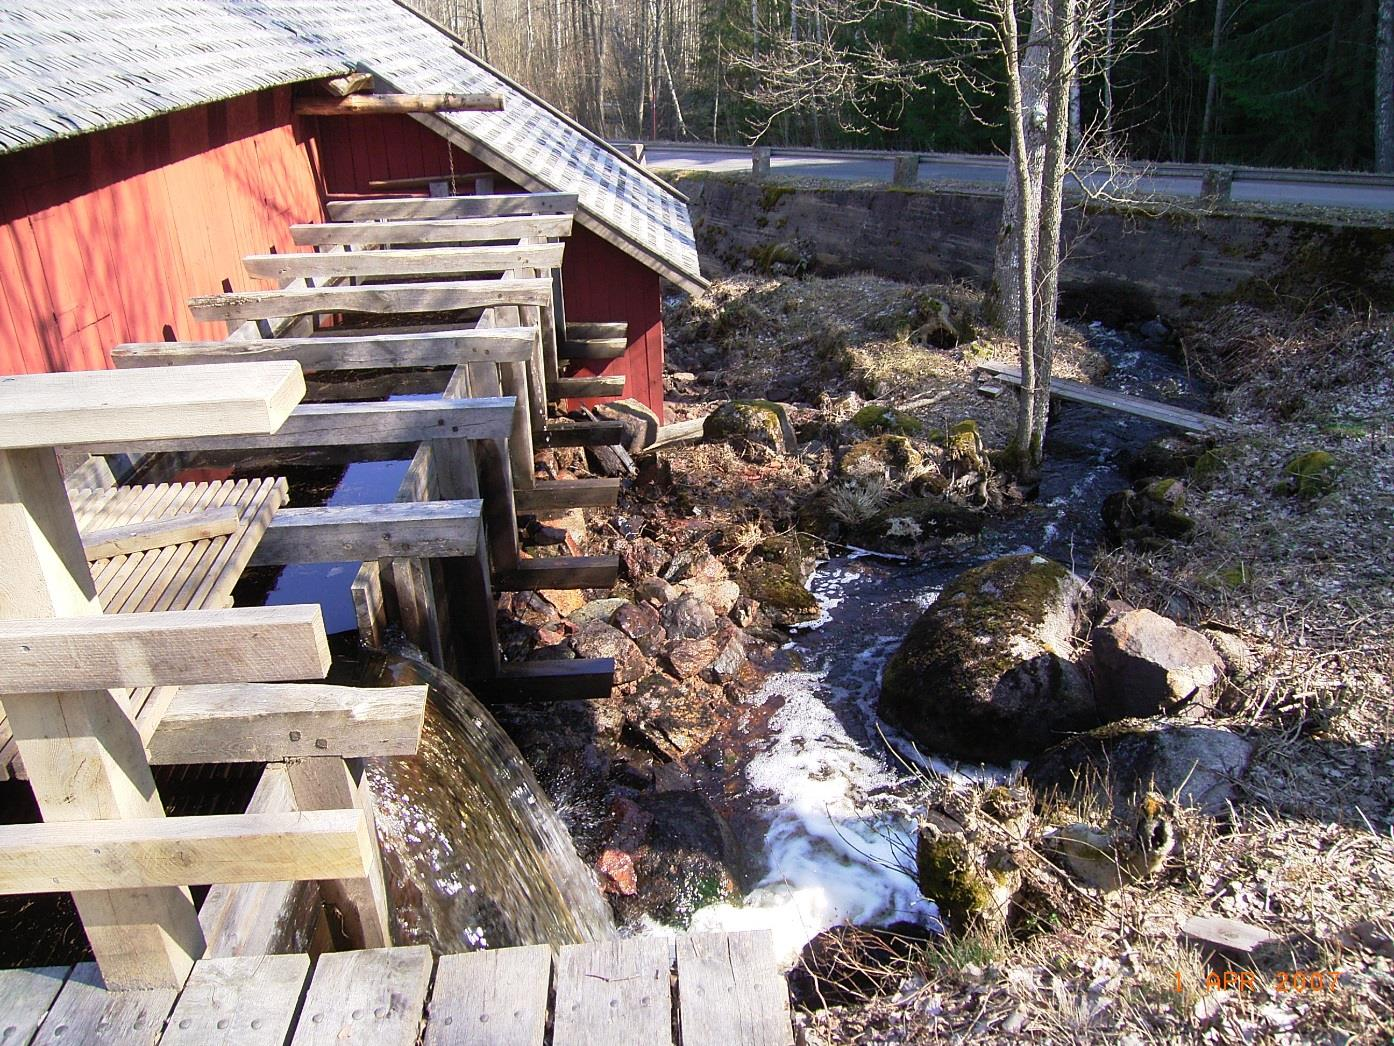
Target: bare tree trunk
column 1212, row 85
column 1108, row 69
column 1384, row 89
column 483, row 33
column 1076, row 115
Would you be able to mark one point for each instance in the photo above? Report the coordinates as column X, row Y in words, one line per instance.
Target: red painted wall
column 601, row 283
column 103, row 237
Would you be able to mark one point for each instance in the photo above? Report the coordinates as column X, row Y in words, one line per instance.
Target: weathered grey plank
column 444, row 230
column 561, row 494
column 373, row 997
column 25, row 997
column 86, row 1012
column 354, row 533
column 453, row 206
column 614, row 992
column 379, row 298
column 247, row 1001
column 730, row 991
column 420, row 261
column 497, row 997
column 587, row 388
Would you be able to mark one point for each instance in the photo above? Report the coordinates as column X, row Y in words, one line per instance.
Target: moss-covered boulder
column 1149, row 518
column 961, row 879
column 753, row 423
column 888, row 455
column 964, row 449
column 989, row 673
column 1165, row 456
column 779, row 591
column 1310, row 474
column 924, row 518
column 875, row 418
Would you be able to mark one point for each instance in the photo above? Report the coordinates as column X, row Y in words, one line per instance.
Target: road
column 1251, row 185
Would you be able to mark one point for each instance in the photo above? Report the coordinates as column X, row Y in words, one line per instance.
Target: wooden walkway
column 699, row 990
column 1190, row 420
column 176, row 571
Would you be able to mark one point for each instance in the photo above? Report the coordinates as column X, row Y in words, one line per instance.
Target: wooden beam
column 246, row 1000
column 353, row 83
column 570, row 493
column 270, row 722
column 597, row 330
column 560, row 572
column 582, row 434
column 354, row 533
column 370, row 351
column 454, row 207
column 181, row 851
column 253, row 644
column 585, row 388
column 347, row 424
column 447, row 230
column 579, row 679
column 422, row 261
column 378, row 299
column 592, row 348
column 49, row 410
column 370, row 104
column 157, row 533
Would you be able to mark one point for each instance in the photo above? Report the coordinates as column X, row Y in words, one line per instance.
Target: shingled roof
column 84, row 65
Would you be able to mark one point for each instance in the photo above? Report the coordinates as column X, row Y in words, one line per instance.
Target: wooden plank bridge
column 699, row 990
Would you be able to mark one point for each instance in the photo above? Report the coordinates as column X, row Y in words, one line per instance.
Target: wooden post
column 906, row 172
column 1216, row 184
column 82, row 751
column 760, row 162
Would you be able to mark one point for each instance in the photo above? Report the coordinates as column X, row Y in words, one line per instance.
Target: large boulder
column 753, row 423
column 1149, row 665
column 989, row 671
column 1123, row 760
column 598, row 639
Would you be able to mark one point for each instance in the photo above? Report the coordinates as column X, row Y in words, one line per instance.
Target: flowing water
column 474, row 853
column 838, row 840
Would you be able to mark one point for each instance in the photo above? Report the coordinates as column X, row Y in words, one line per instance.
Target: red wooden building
column 146, row 147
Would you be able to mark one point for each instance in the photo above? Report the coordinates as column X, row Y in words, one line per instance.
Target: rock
column 1164, row 456
column 954, row 873
column 722, row 595
column 695, row 564
column 989, row 671
column 687, row 617
column 1309, row 475
column 780, row 593
column 747, row 614
column 1120, row 761
column 528, row 608
column 1240, row 662
column 753, row 423
column 874, row 418
column 1149, row 665
column 676, row 718
column 849, row 964
column 641, row 623
column 640, row 557
column 691, row 657
column 597, row 639
column 964, row 450
column 1135, row 845
column 890, row 455
column 922, row 518
column 1145, row 519
column 566, row 600
column 655, row 590
column 597, row 610
column 617, row 873
column 732, row 654
column 641, row 424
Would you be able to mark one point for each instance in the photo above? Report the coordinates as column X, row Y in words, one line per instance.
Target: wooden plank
column 25, row 998
column 175, row 530
column 373, row 997
column 348, row 424
column 568, row 493
column 371, row 350
column 576, row 679
column 47, row 410
column 493, row 206
column 86, row 1011
column 498, row 996
column 353, row 83
column 353, row 533
column 615, row 992
column 249, row 1001
column 1228, row 935
column 96, row 768
column 586, row 388
column 369, row 104
column 560, row 572
column 731, row 992
column 1190, row 420
column 376, row 299
column 423, row 261
column 369, row 608
column 592, row 348
column 245, row 644
column 269, row 722
column 597, row 330
column 582, row 434
column 445, row 230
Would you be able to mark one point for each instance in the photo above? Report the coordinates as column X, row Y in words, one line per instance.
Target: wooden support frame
column 582, row 434
column 420, row 261
column 448, row 230
column 586, row 388
column 560, row 572
column 156, row 533
column 592, row 348
column 492, row 206
column 571, row 493
column 353, row 533
column 370, row 104
column 377, row 299
column 353, row 83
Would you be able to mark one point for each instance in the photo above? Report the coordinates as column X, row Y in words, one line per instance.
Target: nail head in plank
column 419, row 261
column 46, row 410
column 157, row 533
column 25, row 997
column 497, row 996
column 406, row 208
column 244, row 1001
column 354, row 533
column 369, row 351
column 445, row 230
column 248, row 644
column 269, row 722
column 374, row 997
column 439, row 296
column 136, row 853
column 731, row 991
column 85, row 1011
column 616, row 992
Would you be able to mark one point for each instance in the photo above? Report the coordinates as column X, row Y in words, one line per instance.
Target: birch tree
column 1384, row 89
